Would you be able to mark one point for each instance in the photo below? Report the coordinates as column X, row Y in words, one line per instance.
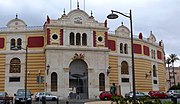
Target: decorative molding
column 78, row 56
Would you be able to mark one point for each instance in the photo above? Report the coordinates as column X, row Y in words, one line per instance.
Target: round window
column 55, row 36
column 100, row 39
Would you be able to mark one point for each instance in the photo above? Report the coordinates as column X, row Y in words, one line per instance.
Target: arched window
column 126, row 49
column 71, row 36
column 54, row 81
column 84, row 39
column 19, row 43
column 78, row 39
column 121, row 48
column 15, row 65
column 124, row 68
column 154, row 54
column 154, row 71
column 101, row 82
column 13, row 43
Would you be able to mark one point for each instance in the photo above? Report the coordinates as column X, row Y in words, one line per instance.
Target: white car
column 37, row 95
column 172, row 93
column 48, row 96
column 138, row 94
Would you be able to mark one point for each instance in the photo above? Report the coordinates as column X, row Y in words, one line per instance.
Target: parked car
column 38, row 95
column 157, row 94
column 172, row 93
column 48, row 96
column 20, row 96
column 138, row 94
column 106, row 95
column 4, row 98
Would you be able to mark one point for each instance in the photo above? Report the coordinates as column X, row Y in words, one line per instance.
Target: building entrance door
column 78, row 79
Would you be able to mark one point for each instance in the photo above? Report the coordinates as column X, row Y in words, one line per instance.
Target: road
column 64, row 102
column 81, row 101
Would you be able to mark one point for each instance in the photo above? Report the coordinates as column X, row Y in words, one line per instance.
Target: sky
column 162, row 17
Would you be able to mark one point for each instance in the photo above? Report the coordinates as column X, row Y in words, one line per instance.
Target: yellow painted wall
column 161, row 76
column 141, row 67
column 113, row 76
column 100, row 34
column 2, row 71
column 36, row 63
column 54, row 31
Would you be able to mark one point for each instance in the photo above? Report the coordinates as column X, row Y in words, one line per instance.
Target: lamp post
column 26, row 72
column 25, row 87
column 114, row 16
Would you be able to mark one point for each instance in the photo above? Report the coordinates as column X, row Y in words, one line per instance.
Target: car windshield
column 39, row 93
column 47, row 94
column 2, row 94
column 21, row 93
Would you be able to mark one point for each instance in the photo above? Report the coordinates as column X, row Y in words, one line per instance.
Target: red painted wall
column 159, row 54
column 146, row 50
column 61, row 36
column 37, row 41
column 137, row 49
column 112, row 45
column 48, row 36
column 106, row 39
column 1, row 42
column 94, row 38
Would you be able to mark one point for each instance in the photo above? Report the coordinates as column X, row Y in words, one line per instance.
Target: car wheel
column 37, row 99
column 54, row 99
column 15, row 102
column 105, row 98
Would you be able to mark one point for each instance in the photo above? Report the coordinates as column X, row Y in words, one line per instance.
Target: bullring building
column 76, row 52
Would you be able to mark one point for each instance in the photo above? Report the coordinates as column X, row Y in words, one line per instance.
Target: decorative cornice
column 76, row 48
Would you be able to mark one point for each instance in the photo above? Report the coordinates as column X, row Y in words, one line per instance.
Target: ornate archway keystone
column 78, row 56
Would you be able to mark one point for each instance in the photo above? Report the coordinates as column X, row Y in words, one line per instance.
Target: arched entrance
column 78, row 77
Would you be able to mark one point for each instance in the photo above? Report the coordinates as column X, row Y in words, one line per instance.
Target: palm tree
column 168, row 61
column 173, row 58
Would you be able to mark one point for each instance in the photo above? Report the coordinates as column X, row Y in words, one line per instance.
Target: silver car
column 48, row 96
column 38, row 95
column 173, row 93
column 138, row 95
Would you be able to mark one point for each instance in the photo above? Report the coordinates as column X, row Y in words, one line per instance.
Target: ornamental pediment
column 78, row 17
column 152, row 38
column 122, row 31
column 16, row 24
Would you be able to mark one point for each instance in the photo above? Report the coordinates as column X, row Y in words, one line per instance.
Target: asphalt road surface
column 63, row 102
column 82, row 101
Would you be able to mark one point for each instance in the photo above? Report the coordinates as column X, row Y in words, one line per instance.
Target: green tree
column 173, row 58
column 168, row 62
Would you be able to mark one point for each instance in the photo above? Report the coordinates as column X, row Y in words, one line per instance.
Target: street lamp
column 114, row 16
column 26, row 72
column 25, row 86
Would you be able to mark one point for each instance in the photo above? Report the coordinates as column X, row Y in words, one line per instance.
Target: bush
column 168, row 102
column 175, row 87
column 142, row 100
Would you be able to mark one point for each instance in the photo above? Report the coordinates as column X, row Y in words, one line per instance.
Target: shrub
column 175, row 87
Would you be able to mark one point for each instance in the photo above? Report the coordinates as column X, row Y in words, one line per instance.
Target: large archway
column 78, row 77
